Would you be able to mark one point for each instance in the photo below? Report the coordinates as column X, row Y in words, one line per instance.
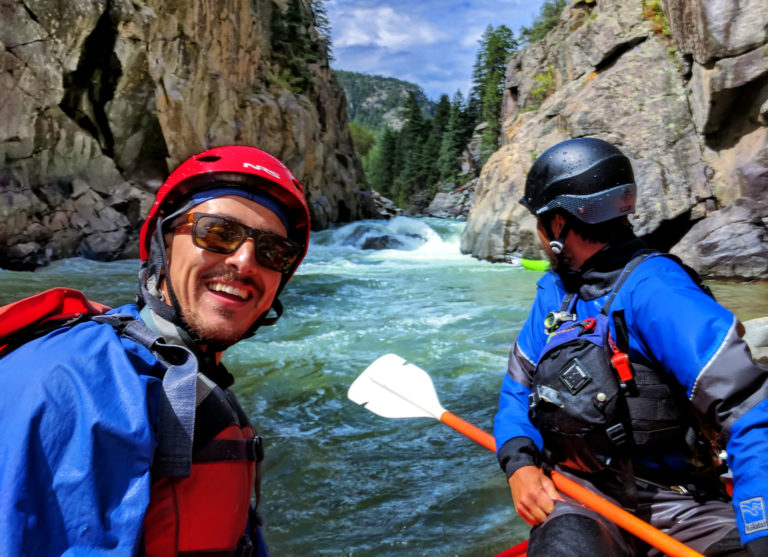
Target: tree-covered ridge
column 410, row 151
column 375, row 102
column 410, row 164
column 407, row 165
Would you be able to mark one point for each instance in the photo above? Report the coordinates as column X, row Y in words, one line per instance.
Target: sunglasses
column 225, row 235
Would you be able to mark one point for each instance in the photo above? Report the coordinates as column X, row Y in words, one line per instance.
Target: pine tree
column 549, row 14
column 411, row 147
column 384, row 161
column 496, row 46
column 480, row 69
column 362, row 138
column 431, row 151
column 292, row 47
column 453, row 140
column 323, row 25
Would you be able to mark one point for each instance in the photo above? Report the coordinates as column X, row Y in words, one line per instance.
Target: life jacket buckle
column 623, row 367
column 542, row 393
column 254, row 448
column 617, row 434
column 588, row 325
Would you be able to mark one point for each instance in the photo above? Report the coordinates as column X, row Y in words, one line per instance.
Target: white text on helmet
column 259, row 167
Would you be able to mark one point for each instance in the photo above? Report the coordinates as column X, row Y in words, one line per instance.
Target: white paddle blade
column 394, row 388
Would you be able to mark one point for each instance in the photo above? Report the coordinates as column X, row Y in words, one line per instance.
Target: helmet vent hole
column 209, row 158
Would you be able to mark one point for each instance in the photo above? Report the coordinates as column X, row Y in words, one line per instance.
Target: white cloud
column 382, row 27
column 432, row 43
column 471, row 39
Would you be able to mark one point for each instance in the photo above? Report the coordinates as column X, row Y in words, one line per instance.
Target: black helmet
column 588, row 177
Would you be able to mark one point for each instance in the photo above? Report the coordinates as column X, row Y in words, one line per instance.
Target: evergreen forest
column 412, row 148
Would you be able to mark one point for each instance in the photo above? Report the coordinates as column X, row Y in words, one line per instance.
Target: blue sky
column 432, row 43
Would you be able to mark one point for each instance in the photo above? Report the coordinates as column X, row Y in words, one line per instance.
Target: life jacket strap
column 218, row 450
column 176, row 421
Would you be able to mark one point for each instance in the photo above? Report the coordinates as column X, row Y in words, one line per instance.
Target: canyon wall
column 681, row 87
column 102, row 98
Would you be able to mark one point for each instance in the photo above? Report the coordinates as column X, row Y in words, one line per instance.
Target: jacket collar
column 599, row 273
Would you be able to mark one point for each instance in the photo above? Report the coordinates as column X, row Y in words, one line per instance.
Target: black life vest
column 596, row 410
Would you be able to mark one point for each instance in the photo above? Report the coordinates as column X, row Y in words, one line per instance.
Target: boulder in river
column 731, row 242
column 756, row 337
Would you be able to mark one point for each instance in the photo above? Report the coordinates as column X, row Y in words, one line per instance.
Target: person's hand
column 534, row 494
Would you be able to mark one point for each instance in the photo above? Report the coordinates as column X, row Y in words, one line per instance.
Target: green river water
column 339, row 480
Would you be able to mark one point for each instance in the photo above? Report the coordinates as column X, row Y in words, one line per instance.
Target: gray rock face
column 453, row 204
column 730, row 243
column 102, row 99
column 717, row 29
column 690, row 109
column 756, row 337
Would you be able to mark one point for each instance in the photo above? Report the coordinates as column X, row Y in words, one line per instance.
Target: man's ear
column 556, row 224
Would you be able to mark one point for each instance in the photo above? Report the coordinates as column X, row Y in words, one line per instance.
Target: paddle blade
column 394, row 388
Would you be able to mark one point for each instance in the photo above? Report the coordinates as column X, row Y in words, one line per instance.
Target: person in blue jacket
column 651, row 438
column 120, row 435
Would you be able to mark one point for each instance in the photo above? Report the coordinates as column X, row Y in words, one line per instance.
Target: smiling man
column 122, row 436
column 219, row 295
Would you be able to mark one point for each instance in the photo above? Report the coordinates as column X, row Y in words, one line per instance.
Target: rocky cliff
column 681, row 86
column 100, row 98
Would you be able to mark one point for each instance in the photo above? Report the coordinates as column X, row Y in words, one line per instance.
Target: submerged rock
column 382, row 242
column 374, row 236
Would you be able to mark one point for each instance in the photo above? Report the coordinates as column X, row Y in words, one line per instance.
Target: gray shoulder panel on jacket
column 729, row 385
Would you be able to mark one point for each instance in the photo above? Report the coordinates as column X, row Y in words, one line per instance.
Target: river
column 338, row 479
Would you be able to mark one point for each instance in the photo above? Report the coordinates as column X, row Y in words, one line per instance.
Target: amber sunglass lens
column 218, row 234
column 276, row 252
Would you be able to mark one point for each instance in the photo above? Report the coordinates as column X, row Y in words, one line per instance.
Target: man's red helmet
column 235, row 166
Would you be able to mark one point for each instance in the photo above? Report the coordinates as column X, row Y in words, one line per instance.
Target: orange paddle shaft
column 658, row 539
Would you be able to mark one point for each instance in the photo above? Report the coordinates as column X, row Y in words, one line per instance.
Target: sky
column 432, row 43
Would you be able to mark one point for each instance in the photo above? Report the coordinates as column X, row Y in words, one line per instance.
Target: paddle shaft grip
column 655, row 537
